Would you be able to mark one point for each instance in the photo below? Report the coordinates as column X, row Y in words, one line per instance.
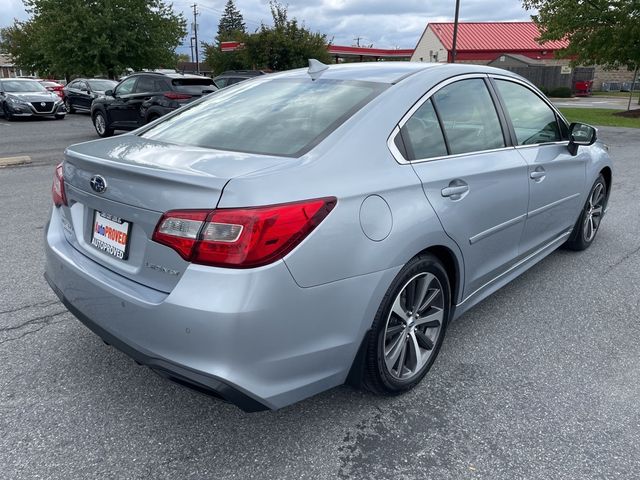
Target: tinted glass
column 422, row 134
column 277, row 117
column 101, row 85
column 469, row 117
column 22, row 86
column 148, row 84
column 192, row 86
column 126, row 86
column 82, row 86
column 533, row 120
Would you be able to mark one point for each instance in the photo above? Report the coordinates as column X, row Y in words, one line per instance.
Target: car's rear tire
column 69, row 106
column 588, row 223
column 409, row 327
column 100, row 124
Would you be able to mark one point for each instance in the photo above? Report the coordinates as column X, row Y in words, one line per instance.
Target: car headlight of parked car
column 16, row 101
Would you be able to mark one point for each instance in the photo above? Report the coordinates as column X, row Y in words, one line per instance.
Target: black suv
column 143, row 97
column 235, row 76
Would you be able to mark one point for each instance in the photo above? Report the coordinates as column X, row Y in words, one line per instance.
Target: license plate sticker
column 110, row 234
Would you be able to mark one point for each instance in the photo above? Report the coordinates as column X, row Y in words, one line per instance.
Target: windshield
column 101, row 85
column 22, row 86
column 285, row 117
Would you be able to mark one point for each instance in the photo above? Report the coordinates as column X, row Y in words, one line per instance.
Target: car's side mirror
column 109, row 93
column 581, row 134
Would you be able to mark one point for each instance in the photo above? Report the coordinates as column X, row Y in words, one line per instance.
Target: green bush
column 559, row 92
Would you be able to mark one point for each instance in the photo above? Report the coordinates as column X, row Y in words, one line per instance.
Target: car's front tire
column 100, row 124
column 588, row 223
column 409, row 327
column 6, row 114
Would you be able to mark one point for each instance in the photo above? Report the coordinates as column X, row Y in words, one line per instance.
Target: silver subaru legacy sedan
column 320, row 226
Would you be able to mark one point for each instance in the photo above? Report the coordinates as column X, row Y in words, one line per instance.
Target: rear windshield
column 284, row 117
column 193, row 86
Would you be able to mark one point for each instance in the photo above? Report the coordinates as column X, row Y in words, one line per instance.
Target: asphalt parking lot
column 540, row 381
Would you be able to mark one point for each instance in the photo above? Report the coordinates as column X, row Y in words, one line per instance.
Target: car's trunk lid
column 142, row 179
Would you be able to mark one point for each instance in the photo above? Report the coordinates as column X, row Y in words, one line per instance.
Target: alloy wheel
column 595, row 205
column 413, row 326
column 99, row 124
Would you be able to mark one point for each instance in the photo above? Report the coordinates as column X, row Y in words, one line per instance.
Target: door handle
column 454, row 191
column 538, row 174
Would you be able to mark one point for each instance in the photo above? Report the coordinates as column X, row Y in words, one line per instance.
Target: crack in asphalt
column 42, row 325
column 43, row 321
column 625, row 257
column 37, row 304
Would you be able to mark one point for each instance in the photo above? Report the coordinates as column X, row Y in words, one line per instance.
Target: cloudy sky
column 383, row 23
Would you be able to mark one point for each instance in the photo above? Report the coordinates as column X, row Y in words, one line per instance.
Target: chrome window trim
column 427, row 96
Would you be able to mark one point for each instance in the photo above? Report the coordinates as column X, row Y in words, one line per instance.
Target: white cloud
column 384, row 23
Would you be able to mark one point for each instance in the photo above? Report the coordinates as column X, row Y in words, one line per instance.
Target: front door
column 556, row 178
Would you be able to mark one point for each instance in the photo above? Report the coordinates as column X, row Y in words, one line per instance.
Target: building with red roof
column 484, row 42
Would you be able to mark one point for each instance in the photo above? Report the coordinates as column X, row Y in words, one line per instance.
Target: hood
column 34, row 96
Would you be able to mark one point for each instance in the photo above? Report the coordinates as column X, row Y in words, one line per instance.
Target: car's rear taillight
column 241, row 237
column 57, row 189
column 177, row 96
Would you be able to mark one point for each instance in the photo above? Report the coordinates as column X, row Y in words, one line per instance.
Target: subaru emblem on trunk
column 98, row 184
column 42, row 104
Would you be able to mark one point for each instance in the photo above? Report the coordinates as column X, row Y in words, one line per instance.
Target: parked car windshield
column 22, row 86
column 101, row 85
column 284, row 117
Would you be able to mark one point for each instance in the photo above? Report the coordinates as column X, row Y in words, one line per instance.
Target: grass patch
column 599, row 116
column 616, row 94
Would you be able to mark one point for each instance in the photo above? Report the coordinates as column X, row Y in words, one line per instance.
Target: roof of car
column 390, row 72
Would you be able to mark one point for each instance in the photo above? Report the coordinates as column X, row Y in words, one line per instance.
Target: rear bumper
column 171, row 371
column 253, row 337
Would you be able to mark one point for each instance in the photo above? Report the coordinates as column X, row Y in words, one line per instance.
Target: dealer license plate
column 110, row 234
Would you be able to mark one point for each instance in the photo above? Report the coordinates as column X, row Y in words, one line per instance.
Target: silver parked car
column 29, row 98
column 305, row 229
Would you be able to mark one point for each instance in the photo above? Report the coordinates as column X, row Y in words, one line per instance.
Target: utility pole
column 195, row 34
column 455, row 33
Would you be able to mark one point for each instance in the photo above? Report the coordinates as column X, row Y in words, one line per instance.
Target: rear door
column 556, row 178
column 475, row 182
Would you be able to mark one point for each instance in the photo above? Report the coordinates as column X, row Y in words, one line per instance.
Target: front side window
column 469, row 117
column 126, row 87
column 533, row 120
column 284, row 117
column 422, row 134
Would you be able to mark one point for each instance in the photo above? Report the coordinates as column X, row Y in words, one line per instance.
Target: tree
column 287, row 44
column 91, row 37
column 600, row 32
column 230, row 28
column 231, row 23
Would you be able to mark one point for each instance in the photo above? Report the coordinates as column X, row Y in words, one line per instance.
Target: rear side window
column 285, row 117
column 422, row 134
column 533, row 120
column 192, row 86
column 151, row 84
column 469, row 117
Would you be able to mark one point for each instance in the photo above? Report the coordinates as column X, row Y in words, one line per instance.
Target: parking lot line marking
column 12, row 161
